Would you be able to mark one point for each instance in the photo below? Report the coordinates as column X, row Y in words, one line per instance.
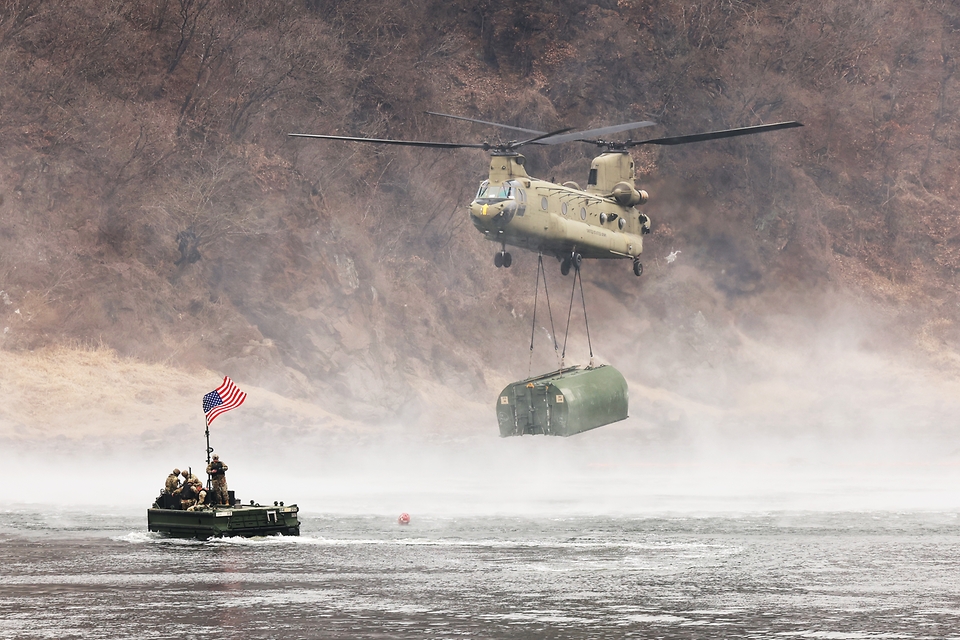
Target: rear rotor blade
column 553, row 137
column 408, row 143
column 495, row 124
column 588, row 135
column 514, row 145
column 716, row 135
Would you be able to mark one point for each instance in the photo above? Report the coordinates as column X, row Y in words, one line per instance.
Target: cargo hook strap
column 576, row 278
column 533, row 329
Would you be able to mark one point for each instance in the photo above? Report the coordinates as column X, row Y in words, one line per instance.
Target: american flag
column 227, row 396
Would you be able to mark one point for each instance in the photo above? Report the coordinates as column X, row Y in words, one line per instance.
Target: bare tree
column 207, row 208
column 189, row 13
column 15, row 16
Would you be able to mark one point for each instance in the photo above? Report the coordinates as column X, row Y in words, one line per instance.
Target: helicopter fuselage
column 512, row 208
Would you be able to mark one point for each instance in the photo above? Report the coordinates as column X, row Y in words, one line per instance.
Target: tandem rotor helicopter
column 512, row 208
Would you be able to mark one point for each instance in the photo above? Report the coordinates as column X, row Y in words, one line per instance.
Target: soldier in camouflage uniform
column 188, row 496
column 218, row 478
column 173, row 482
column 201, row 494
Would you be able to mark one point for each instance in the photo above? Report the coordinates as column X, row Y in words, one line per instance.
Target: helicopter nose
column 492, row 215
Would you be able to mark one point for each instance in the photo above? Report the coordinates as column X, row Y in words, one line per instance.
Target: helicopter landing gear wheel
column 498, row 259
column 507, row 260
column 572, row 260
column 637, row 267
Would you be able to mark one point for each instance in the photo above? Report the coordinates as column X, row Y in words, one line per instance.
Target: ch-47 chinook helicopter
column 602, row 221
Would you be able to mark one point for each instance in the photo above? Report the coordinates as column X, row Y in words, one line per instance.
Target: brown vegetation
column 152, row 202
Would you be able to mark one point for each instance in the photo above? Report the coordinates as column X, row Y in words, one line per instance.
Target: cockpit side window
column 517, row 193
column 483, row 189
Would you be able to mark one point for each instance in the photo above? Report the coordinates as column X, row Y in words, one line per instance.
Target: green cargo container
column 563, row 403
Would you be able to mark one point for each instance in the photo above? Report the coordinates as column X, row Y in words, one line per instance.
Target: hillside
column 153, row 206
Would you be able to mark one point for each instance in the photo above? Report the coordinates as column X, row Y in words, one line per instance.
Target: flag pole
column 209, row 448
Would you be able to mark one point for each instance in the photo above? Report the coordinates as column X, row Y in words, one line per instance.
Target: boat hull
column 216, row 522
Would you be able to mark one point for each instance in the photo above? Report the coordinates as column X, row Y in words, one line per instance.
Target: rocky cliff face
column 152, row 203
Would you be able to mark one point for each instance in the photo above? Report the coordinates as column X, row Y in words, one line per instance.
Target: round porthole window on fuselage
column 544, row 203
column 583, row 213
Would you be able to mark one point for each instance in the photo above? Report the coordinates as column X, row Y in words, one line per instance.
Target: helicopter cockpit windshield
column 489, row 194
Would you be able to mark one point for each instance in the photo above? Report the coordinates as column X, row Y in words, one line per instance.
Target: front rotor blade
column 495, row 124
column 716, row 135
column 586, row 136
column 408, row 143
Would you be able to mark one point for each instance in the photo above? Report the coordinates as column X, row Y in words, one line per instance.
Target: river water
column 99, row 574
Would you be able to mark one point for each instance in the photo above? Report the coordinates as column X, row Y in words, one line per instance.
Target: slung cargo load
column 563, row 403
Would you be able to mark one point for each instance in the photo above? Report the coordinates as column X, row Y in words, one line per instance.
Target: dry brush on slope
column 152, row 202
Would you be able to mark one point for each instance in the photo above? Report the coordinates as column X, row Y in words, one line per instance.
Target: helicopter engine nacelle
column 625, row 194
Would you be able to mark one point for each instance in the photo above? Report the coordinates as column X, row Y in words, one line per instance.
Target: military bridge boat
column 223, row 520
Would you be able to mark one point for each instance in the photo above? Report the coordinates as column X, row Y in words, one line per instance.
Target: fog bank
column 822, row 424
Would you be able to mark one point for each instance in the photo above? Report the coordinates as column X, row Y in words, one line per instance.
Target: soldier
column 188, row 478
column 188, row 496
column 173, row 482
column 201, row 497
column 217, row 472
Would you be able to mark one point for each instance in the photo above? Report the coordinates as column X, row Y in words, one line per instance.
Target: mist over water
column 802, row 413
column 825, row 410
column 788, row 433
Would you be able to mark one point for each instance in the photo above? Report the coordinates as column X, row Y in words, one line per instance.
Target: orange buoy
column 404, row 518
